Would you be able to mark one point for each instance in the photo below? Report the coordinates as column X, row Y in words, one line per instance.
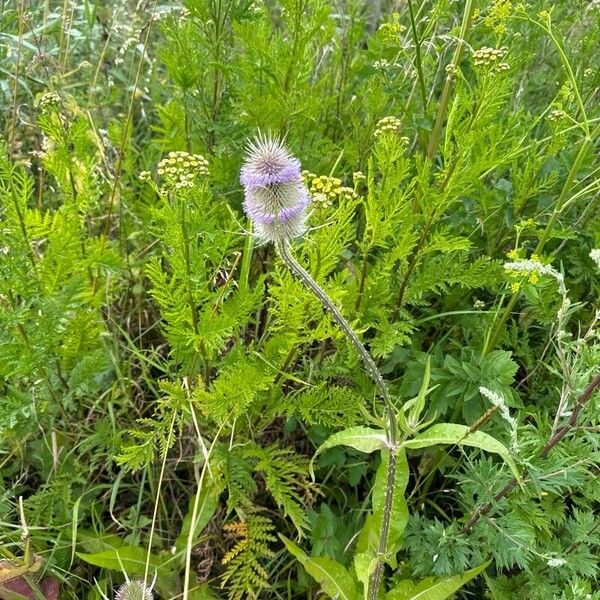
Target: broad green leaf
column 399, row 516
column 132, row 560
column 207, row 505
column 367, row 547
column 364, row 439
column 97, row 542
column 453, row 433
column 364, row 565
column 334, row 579
column 433, row 589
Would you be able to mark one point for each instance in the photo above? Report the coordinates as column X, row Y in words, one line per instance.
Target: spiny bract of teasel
column 134, row 590
column 276, row 197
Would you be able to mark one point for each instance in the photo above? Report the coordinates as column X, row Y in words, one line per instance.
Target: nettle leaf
column 433, row 589
column 334, row 579
column 499, row 366
column 453, row 433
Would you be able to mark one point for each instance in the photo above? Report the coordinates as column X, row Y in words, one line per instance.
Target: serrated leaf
column 433, row 589
column 334, row 578
column 453, row 433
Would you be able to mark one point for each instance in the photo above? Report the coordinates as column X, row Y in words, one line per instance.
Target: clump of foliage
column 179, row 410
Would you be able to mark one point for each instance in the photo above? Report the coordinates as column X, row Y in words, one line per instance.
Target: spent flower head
column 134, row 590
column 49, row 101
column 276, row 197
column 556, row 115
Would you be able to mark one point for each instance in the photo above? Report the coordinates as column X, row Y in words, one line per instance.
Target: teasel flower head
column 134, row 590
column 276, row 197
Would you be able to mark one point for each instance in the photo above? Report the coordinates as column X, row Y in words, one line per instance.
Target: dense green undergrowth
column 166, row 381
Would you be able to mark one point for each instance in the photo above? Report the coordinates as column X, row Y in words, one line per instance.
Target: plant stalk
column 392, row 427
column 445, row 97
column 418, row 59
column 562, row 199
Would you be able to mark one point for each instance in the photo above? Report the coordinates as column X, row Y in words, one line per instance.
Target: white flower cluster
column 527, row 266
column 381, row 64
column 556, row 115
column 451, row 69
column 595, row 256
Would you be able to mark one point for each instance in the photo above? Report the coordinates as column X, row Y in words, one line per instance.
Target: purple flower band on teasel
column 250, row 177
column 257, row 213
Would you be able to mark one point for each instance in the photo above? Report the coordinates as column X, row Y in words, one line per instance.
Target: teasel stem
column 283, row 248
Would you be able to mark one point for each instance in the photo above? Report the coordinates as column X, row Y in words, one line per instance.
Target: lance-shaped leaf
column 453, row 433
column 132, row 560
column 334, row 578
column 364, row 439
column 433, row 588
column 367, row 547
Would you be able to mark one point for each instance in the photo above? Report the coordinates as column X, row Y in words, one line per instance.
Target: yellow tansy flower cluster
column 390, row 125
column 325, row 189
column 180, row 169
column 491, row 58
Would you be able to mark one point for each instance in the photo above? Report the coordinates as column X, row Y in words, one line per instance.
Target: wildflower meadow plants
column 300, row 298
